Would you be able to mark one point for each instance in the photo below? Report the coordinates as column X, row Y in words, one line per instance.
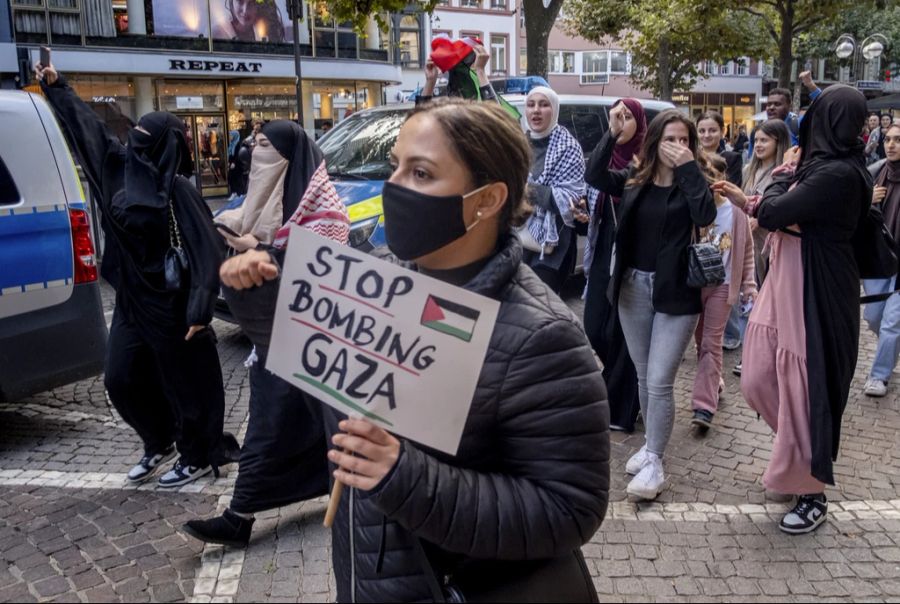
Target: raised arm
column 599, row 175
column 85, row 132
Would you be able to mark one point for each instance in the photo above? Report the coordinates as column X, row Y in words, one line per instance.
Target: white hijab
column 554, row 102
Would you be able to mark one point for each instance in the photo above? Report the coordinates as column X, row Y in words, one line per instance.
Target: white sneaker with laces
column 875, row 387
column 637, row 461
column 649, row 481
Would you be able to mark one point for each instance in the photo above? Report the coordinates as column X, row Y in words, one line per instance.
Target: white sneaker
column 637, row 461
column 649, row 481
column 875, row 387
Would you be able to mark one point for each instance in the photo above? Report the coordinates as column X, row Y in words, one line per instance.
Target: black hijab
column 292, row 143
column 154, row 158
column 832, row 131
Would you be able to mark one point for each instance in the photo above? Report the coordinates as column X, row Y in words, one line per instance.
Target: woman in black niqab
column 804, row 329
column 162, row 367
column 283, row 455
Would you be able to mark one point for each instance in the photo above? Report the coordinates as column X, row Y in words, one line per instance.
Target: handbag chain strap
column 174, row 236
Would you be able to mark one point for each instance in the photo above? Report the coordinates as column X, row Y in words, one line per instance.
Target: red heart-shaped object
column 447, row 53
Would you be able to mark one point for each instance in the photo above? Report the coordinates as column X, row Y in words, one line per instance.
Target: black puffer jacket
column 531, row 477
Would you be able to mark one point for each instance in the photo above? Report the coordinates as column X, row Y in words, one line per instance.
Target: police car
column 52, row 328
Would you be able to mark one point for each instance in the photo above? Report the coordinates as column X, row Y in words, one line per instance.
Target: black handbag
column 874, row 246
column 705, row 266
column 175, row 264
column 562, row 579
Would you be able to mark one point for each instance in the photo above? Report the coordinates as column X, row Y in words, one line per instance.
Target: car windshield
column 360, row 146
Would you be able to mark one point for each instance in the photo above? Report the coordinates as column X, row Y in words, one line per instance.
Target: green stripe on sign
column 334, row 393
column 453, row 331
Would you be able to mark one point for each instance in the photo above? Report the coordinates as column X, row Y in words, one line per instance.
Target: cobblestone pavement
column 71, row 530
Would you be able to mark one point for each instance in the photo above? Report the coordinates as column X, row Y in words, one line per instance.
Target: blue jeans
column 883, row 319
column 656, row 343
column 737, row 324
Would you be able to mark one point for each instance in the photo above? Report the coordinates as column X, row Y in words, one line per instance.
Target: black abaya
column 829, row 194
column 283, row 457
column 601, row 324
column 133, row 187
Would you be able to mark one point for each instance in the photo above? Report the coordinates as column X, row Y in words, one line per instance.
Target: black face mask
column 416, row 224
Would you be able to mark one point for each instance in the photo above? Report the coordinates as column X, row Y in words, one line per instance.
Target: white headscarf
column 554, row 102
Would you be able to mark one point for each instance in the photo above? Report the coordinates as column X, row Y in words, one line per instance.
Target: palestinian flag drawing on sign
column 449, row 318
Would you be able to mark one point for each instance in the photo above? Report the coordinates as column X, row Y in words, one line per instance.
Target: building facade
column 494, row 22
column 219, row 64
column 579, row 66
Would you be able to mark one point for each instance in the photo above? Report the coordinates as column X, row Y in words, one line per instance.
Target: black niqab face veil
column 832, row 130
column 292, row 143
column 154, row 158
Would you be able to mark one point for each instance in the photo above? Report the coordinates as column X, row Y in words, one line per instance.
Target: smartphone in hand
column 45, row 56
column 226, row 229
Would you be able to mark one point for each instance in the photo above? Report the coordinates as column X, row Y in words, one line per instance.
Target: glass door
column 209, row 146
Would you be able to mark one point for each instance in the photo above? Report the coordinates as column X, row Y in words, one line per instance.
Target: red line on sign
column 357, row 300
column 352, row 345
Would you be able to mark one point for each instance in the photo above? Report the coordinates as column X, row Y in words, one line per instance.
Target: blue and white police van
column 52, row 328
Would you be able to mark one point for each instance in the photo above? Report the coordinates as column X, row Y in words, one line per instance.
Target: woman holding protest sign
column 283, row 456
column 506, row 516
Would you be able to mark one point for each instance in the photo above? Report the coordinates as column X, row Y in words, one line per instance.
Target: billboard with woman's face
column 244, row 20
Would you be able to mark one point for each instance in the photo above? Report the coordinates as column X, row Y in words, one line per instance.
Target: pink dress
column 774, row 377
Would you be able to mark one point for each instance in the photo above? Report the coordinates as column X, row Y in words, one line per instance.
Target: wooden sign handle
column 333, row 502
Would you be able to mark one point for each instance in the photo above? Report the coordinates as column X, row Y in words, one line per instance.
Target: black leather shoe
column 227, row 529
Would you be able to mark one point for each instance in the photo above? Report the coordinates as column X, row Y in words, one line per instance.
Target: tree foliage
column 539, row 21
column 668, row 39
column 787, row 23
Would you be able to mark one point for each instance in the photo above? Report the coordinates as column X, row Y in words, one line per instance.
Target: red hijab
column 623, row 154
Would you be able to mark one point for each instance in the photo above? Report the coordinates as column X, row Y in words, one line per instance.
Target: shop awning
column 890, row 101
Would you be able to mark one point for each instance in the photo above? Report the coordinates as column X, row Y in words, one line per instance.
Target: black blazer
column 690, row 203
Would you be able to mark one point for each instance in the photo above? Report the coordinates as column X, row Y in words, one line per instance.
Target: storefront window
column 190, row 95
column 259, row 100
column 112, row 97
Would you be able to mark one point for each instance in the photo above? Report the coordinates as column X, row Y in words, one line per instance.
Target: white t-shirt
column 724, row 234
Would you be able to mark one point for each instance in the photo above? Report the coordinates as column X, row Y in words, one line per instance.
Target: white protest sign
column 371, row 338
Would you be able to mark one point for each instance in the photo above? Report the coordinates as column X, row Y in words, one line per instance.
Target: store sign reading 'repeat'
column 214, row 66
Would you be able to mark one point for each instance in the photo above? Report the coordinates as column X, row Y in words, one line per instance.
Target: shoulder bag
column 175, row 263
column 705, row 266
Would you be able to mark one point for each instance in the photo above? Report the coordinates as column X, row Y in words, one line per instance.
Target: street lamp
column 871, row 48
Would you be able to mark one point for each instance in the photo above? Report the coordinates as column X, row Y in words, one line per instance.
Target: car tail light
column 83, row 247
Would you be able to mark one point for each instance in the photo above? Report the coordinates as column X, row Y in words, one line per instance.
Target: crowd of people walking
column 684, row 242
